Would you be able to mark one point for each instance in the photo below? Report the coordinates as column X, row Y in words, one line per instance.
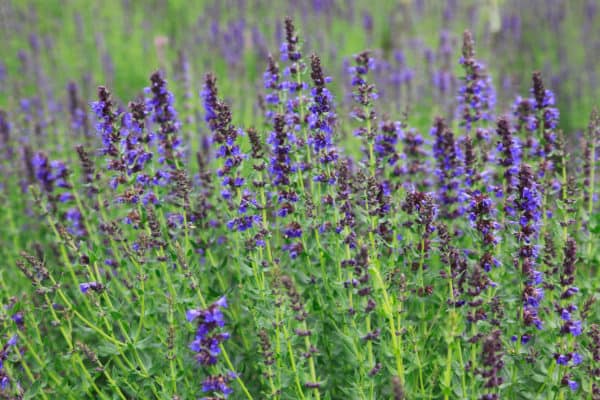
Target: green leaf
column 107, row 349
column 144, row 343
column 34, row 389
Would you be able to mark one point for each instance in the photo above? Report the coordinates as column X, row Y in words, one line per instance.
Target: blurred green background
column 47, row 43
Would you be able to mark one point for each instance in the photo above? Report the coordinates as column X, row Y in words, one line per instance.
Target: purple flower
column 51, row 174
column 575, row 328
column 65, row 197
column 244, row 223
column 221, row 302
column 95, row 286
column 562, row 359
column 19, row 319
column 293, row 249
column 293, row 230
column 192, row 315
column 12, row 341
column 218, row 384
column 207, row 341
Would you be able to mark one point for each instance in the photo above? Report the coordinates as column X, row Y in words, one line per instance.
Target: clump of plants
column 317, row 254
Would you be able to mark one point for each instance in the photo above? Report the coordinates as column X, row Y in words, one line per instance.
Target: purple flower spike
column 208, row 339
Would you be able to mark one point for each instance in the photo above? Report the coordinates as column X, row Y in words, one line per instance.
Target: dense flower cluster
column 482, row 216
column 271, row 80
column 208, row 340
column 280, row 169
column 509, row 157
column 425, row 211
column 449, row 168
column 225, row 138
column 218, row 117
column 321, row 118
column 476, row 96
column 567, row 309
column 105, row 112
column 163, row 114
column 292, row 83
column 51, row 174
column 280, row 166
column 538, row 116
column 343, row 199
column 528, row 203
column 53, row 178
column 127, row 153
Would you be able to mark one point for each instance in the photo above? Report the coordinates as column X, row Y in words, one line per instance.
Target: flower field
column 307, row 200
